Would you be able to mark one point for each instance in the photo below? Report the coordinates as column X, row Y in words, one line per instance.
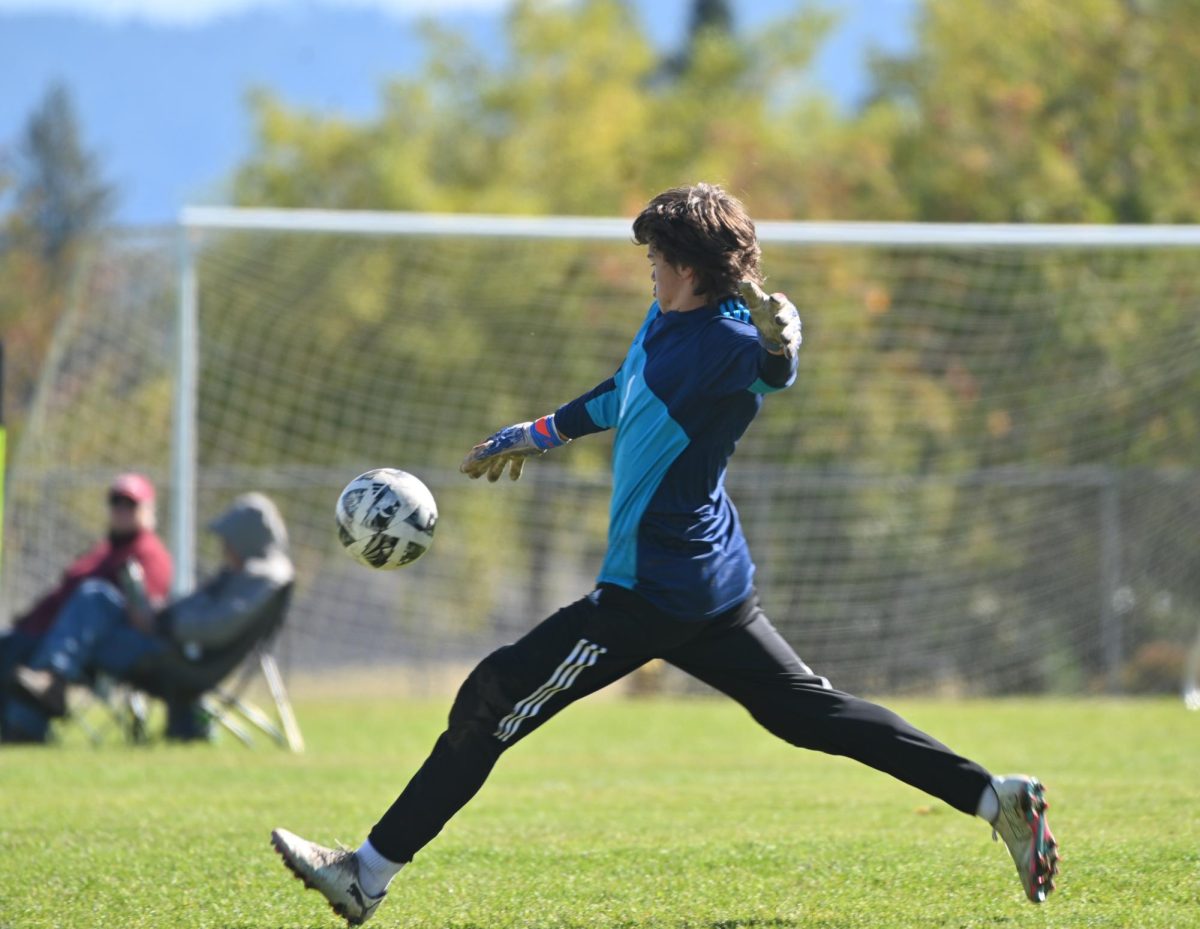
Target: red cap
column 136, row 487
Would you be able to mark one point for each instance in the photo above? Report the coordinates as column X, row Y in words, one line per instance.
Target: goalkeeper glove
column 511, row 446
column 775, row 318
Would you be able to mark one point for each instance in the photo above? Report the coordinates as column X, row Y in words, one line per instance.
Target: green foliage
column 618, row 815
column 578, row 116
column 1026, row 111
column 1041, row 111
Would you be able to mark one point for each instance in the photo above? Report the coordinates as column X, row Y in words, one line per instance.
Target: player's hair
column 705, row 229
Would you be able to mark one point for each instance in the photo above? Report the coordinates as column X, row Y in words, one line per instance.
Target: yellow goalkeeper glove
column 511, row 446
column 775, row 318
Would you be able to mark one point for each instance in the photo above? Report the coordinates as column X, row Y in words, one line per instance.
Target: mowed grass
column 618, row 813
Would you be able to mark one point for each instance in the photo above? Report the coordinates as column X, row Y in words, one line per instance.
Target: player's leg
column 745, row 657
column 578, row 650
column 742, row 655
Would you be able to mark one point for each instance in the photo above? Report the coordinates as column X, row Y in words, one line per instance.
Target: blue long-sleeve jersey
column 682, row 398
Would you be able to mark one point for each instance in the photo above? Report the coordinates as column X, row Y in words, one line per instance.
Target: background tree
column 60, row 194
column 56, row 198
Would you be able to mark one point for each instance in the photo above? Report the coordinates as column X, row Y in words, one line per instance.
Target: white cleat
column 1022, row 824
column 332, row 871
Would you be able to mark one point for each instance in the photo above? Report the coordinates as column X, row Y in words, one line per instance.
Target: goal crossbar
column 890, row 234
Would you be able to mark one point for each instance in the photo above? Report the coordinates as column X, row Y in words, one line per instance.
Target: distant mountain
column 164, row 105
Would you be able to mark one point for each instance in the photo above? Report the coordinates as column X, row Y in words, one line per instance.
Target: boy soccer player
column 677, row 579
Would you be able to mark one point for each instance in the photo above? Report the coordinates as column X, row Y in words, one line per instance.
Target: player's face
column 673, row 287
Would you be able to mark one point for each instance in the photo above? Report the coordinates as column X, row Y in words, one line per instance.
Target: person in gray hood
column 115, row 630
column 255, row 566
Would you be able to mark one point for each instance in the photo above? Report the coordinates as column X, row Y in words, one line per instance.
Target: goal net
column 984, row 480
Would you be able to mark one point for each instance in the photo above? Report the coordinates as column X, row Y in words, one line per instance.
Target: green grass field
column 622, row 814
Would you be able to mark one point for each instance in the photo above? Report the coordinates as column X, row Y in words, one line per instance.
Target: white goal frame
column 197, row 221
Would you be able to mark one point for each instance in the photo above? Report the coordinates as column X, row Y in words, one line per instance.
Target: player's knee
column 481, row 701
column 804, row 713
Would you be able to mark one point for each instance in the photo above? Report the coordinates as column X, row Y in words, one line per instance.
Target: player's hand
column 775, row 318
column 510, row 447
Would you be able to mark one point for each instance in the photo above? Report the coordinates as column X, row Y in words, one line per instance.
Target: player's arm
column 739, row 355
column 776, row 371
column 595, row 411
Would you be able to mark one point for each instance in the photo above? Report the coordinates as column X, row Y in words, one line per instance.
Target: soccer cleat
column 1022, row 824
column 332, row 871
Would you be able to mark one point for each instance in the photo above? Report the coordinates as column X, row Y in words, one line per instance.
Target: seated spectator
column 112, row 630
column 131, row 541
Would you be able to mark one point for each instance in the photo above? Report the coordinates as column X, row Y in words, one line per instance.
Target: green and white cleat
column 1022, row 824
column 332, row 871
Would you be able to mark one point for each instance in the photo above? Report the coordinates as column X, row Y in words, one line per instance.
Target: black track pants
column 601, row 638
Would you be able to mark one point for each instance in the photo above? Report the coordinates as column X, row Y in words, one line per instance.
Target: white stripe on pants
column 583, row 655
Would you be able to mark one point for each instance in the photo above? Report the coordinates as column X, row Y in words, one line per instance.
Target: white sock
column 375, row 871
column 989, row 804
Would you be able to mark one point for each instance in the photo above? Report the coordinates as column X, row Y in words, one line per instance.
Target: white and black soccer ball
column 385, row 518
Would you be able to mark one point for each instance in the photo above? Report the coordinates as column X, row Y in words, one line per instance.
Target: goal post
column 183, row 420
column 984, row 479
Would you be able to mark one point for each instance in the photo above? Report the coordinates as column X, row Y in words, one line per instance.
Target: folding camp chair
column 219, row 681
column 103, row 704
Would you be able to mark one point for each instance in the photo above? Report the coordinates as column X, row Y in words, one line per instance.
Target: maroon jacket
column 104, row 561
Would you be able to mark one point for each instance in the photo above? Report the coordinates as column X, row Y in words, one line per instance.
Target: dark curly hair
column 705, row 229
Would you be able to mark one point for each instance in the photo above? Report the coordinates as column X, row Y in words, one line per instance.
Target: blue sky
column 160, row 83
column 197, row 12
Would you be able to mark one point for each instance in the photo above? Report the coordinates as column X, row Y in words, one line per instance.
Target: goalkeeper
column 677, row 582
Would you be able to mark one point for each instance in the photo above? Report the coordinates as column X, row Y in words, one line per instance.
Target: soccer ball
column 385, row 518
